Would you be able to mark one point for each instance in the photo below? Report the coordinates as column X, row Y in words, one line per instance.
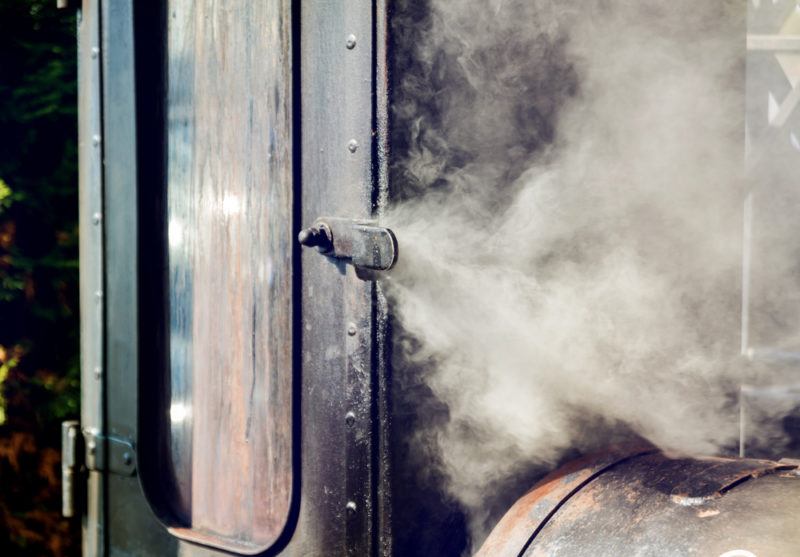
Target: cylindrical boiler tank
column 646, row 503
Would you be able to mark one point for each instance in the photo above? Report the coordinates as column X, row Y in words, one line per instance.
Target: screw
column 96, row 218
column 351, row 329
column 350, row 418
column 352, row 146
column 351, row 42
column 351, row 507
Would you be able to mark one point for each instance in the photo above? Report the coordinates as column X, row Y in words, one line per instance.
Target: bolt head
column 350, row 418
column 351, row 507
column 352, row 146
column 352, row 330
column 350, row 43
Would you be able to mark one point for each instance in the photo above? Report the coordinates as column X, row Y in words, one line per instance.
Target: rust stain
column 230, row 169
column 514, row 530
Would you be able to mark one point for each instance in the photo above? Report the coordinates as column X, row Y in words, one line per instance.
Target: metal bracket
column 363, row 244
column 121, row 457
column 69, row 466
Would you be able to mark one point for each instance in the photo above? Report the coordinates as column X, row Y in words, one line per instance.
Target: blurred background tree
column 39, row 361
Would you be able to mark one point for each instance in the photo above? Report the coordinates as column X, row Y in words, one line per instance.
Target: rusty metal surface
column 337, row 514
column 526, row 516
column 363, row 244
column 203, row 474
column 650, row 504
column 337, row 327
column 229, row 204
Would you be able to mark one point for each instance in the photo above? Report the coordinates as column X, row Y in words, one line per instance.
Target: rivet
column 351, row 507
column 352, row 146
column 98, row 294
column 91, row 447
column 98, row 372
column 350, row 418
column 95, row 52
column 127, row 459
column 351, row 42
column 96, row 218
column 351, row 329
column 95, row 140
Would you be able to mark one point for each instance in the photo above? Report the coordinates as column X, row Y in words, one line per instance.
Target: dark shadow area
column 39, row 361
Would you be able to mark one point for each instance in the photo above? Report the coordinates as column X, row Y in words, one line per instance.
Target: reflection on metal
column 651, row 504
column 361, row 243
column 210, row 240
column 217, row 459
column 91, row 268
column 179, row 412
column 70, row 433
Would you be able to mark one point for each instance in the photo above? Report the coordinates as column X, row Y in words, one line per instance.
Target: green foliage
column 5, row 196
column 39, row 363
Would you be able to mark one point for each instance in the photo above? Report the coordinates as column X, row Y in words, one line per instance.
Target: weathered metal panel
column 227, row 219
column 654, row 505
column 514, row 531
column 227, row 426
column 131, row 527
column 649, row 504
column 337, row 514
column 382, row 387
column 90, row 192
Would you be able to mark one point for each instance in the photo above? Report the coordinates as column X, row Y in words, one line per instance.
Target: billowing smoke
column 569, row 200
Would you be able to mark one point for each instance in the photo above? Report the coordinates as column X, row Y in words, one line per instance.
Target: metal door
column 232, row 389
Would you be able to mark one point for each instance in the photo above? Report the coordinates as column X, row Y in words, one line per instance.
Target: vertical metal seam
column 380, row 388
column 360, row 474
column 92, row 228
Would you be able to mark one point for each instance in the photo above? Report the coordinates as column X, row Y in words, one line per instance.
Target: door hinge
column 363, row 244
column 109, row 453
column 88, row 450
column 70, row 432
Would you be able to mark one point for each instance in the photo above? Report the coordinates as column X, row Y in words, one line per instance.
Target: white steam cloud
column 571, row 242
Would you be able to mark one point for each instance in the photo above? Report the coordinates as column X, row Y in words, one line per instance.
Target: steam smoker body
column 647, row 503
